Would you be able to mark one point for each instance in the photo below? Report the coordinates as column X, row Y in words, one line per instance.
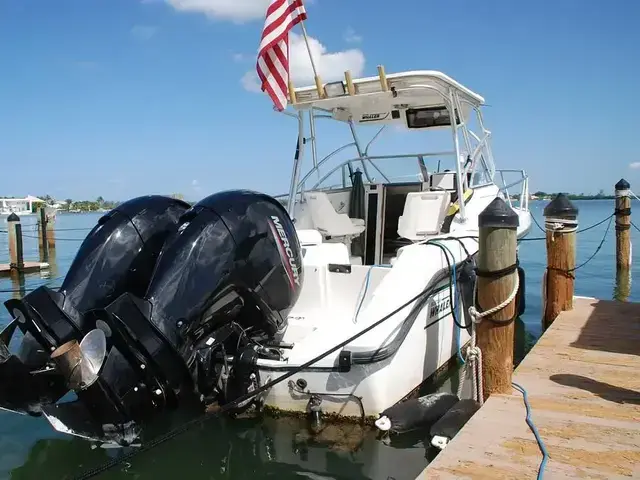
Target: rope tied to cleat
column 473, row 358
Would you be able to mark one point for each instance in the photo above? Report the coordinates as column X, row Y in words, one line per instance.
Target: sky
column 119, row 98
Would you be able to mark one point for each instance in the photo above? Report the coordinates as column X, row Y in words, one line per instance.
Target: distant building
column 19, row 206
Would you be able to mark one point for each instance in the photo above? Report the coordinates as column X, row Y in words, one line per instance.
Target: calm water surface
column 270, row 448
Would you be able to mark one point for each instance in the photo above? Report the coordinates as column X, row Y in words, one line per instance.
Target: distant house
column 19, row 206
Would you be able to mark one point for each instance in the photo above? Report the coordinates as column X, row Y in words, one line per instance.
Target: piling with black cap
column 497, row 276
column 561, row 223
column 623, row 225
column 16, row 255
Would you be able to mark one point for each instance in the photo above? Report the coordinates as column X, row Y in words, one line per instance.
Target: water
column 270, row 448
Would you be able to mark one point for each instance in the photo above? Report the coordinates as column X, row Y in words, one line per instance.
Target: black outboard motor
column 117, row 256
column 223, row 284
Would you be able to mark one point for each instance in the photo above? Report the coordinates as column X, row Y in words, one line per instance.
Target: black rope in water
column 31, row 289
column 84, row 229
column 56, row 238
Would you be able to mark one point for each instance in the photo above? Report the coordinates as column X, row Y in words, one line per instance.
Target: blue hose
column 541, row 445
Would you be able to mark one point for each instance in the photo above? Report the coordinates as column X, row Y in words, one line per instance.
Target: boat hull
column 368, row 389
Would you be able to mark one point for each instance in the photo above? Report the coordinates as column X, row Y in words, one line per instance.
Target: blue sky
column 125, row 97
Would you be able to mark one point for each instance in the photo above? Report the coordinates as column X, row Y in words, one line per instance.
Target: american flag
column 273, row 55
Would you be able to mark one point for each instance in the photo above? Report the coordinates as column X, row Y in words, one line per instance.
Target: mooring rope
column 581, row 230
column 473, row 358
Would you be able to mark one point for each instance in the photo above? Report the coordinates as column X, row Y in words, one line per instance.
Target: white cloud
column 144, row 32
column 331, row 65
column 350, row 36
column 250, row 81
column 235, row 10
column 634, row 165
column 239, row 57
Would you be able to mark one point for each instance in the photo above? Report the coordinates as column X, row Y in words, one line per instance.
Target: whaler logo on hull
column 286, row 253
column 438, row 307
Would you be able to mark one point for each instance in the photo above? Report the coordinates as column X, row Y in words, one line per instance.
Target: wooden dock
column 29, row 267
column 583, row 384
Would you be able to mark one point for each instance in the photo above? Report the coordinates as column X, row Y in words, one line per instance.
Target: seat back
column 423, row 214
column 326, row 219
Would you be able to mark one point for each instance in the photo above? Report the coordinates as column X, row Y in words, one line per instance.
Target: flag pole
column 316, row 77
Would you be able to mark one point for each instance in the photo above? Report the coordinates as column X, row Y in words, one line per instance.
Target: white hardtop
column 370, row 102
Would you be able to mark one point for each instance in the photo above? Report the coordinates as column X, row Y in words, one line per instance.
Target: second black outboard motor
column 118, row 255
column 222, row 287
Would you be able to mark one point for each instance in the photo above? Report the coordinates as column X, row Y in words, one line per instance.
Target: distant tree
column 99, row 200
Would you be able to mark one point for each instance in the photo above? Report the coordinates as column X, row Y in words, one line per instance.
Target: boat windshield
column 374, row 151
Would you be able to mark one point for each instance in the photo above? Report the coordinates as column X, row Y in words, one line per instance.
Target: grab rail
column 523, row 196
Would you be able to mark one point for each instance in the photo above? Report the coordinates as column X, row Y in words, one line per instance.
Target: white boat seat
column 329, row 222
column 308, row 236
column 423, row 214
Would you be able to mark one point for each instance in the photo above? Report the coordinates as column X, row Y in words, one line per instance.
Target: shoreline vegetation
column 81, row 206
column 572, row 196
column 101, row 205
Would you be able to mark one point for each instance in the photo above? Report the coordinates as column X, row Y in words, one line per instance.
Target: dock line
column 585, row 229
column 532, row 426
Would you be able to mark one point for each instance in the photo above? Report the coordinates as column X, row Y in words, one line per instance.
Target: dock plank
column 5, row 268
column 583, row 382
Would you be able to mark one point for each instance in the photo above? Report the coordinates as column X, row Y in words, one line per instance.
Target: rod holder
column 319, row 86
column 292, row 94
column 351, row 89
column 383, row 79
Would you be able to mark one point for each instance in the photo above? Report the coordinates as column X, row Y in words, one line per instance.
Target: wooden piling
column 16, row 252
column 51, row 223
column 16, row 264
column 497, row 276
column 623, row 225
column 42, row 231
column 561, row 223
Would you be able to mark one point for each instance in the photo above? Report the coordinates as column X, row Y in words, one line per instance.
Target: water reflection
column 622, row 288
column 243, row 448
column 18, row 284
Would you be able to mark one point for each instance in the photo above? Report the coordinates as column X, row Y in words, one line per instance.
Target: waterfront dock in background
column 27, row 267
column 584, row 391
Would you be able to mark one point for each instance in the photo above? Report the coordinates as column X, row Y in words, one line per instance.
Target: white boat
column 349, row 320
column 19, row 206
column 360, row 268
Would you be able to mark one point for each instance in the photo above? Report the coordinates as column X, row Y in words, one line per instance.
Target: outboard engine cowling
column 226, row 279
column 118, row 255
